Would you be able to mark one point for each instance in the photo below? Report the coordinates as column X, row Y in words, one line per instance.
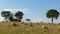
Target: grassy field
column 7, row 28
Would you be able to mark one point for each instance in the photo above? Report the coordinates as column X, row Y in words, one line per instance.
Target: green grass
column 7, row 28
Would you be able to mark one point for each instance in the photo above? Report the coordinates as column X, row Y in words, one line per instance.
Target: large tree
column 5, row 14
column 19, row 15
column 52, row 13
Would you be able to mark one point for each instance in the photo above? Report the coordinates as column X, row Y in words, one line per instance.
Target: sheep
column 14, row 24
column 45, row 27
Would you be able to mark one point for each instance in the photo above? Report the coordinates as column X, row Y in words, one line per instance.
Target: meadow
column 7, row 28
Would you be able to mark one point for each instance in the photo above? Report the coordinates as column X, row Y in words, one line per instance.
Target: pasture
column 7, row 28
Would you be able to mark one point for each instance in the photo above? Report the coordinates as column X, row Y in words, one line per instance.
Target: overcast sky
column 33, row 9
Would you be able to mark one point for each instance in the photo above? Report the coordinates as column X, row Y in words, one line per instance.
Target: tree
column 28, row 20
column 5, row 14
column 19, row 15
column 11, row 17
column 52, row 13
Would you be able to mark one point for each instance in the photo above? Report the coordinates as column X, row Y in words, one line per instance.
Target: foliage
column 28, row 20
column 52, row 13
column 5, row 14
column 19, row 15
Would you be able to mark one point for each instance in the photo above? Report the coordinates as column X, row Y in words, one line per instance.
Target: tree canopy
column 52, row 13
column 5, row 14
column 19, row 15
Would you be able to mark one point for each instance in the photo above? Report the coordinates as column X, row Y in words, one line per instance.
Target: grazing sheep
column 14, row 24
column 45, row 27
column 24, row 23
column 38, row 23
column 30, row 24
column 48, row 23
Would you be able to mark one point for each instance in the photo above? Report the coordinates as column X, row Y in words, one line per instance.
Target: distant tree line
column 52, row 13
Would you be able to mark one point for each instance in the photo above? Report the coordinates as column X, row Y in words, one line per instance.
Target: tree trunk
column 52, row 20
column 6, row 19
